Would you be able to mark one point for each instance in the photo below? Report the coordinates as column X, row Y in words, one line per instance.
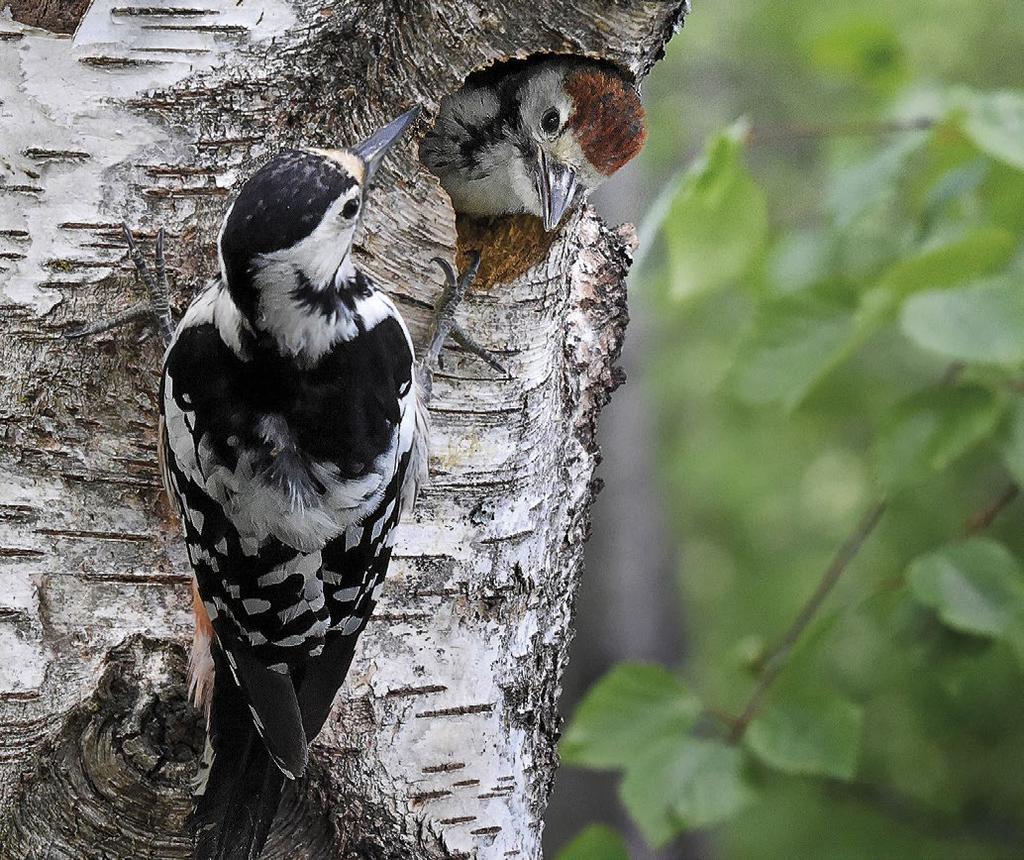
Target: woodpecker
column 534, row 139
column 293, row 437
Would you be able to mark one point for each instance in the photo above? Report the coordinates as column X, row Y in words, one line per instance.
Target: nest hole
column 512, row 245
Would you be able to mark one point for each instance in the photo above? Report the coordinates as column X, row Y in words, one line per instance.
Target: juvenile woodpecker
column 293, row 439
column 535, row 139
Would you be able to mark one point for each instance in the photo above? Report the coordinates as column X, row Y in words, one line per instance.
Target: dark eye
column 550, row 121
column 350, row 209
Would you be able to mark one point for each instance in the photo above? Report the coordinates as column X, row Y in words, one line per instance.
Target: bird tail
column 238, row 787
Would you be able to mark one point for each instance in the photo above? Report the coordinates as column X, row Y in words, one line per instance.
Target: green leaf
column 963, row 179
column 596, row 842
column 794, row 343
column 1011, row 442
column 797, row 340
column 975, row 586
column 717, row 222
column 799, row 260
column 684, row 785
column 864, row 49
column 983, row 322
column 816, row 738
column 995, row 123
column 929, row 430
column 628, row 710
column 871, row 186
column 979, row 252
column 1001, row 193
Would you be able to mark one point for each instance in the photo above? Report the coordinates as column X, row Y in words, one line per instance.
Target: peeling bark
column 442, row 743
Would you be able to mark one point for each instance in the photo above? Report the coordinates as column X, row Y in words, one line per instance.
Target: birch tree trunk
column 442, row 743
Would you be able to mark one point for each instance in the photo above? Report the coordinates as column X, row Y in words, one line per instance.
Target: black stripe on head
column 279, row 206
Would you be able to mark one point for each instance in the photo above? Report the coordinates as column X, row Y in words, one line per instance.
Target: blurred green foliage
column 838, row 290
column 596, row 842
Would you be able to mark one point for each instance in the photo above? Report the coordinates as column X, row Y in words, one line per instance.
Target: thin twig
column 776, row 660
column 766, row 134
column 983, row 517
column 952, row 372
column 909, row 811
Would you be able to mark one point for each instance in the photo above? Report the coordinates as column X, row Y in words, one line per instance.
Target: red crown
column 607, row 118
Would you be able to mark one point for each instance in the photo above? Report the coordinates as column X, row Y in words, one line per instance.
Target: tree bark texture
column 442, row 743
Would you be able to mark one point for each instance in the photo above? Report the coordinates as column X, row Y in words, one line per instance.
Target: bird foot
column 156, row 310
column 445, row 324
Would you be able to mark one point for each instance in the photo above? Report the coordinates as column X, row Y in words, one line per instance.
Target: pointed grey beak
column 376, row 146
column 557, row 189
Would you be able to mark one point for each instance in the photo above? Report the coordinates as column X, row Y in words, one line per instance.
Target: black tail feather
column 235, row 810
column 321, row 680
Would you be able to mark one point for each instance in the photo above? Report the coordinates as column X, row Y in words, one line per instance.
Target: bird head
column 581, row 122
column 290, row 229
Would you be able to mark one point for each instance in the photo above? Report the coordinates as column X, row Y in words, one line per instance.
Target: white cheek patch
column 319, row 255
column 524, row 187
column 313, row 264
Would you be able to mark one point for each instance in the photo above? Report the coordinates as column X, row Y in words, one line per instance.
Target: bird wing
column 355, row 563
column 354, row 566
column 243, row 587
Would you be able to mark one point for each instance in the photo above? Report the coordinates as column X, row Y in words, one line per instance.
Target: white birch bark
column 443, row 739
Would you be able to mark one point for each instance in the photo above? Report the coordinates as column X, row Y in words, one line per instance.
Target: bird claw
column 156, row 311
column 140, row 311
column 458, row 334
column 445, row 324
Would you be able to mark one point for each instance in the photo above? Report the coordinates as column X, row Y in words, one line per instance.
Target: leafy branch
column 916, row 261
column 982, row 518
column 776, row 660
column 761, row 135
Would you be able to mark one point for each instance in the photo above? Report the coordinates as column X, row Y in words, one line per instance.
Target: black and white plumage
column 293, row 440
column 533, row 137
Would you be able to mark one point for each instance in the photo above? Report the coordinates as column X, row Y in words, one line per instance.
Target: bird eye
column 350, row 209
column 550, row 121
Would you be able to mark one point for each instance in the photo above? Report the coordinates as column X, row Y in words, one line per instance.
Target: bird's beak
column 557, row 188
column 376, row 146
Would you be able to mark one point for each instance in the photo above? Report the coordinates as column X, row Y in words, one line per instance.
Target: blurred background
column 826, row 351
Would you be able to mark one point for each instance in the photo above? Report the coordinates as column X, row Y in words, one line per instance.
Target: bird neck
column 301, row 318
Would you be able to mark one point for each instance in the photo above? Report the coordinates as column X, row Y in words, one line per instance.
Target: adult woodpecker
column 293, row 439
column 534, row 139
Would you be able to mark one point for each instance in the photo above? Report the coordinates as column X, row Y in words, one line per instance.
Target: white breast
column 260, row 507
